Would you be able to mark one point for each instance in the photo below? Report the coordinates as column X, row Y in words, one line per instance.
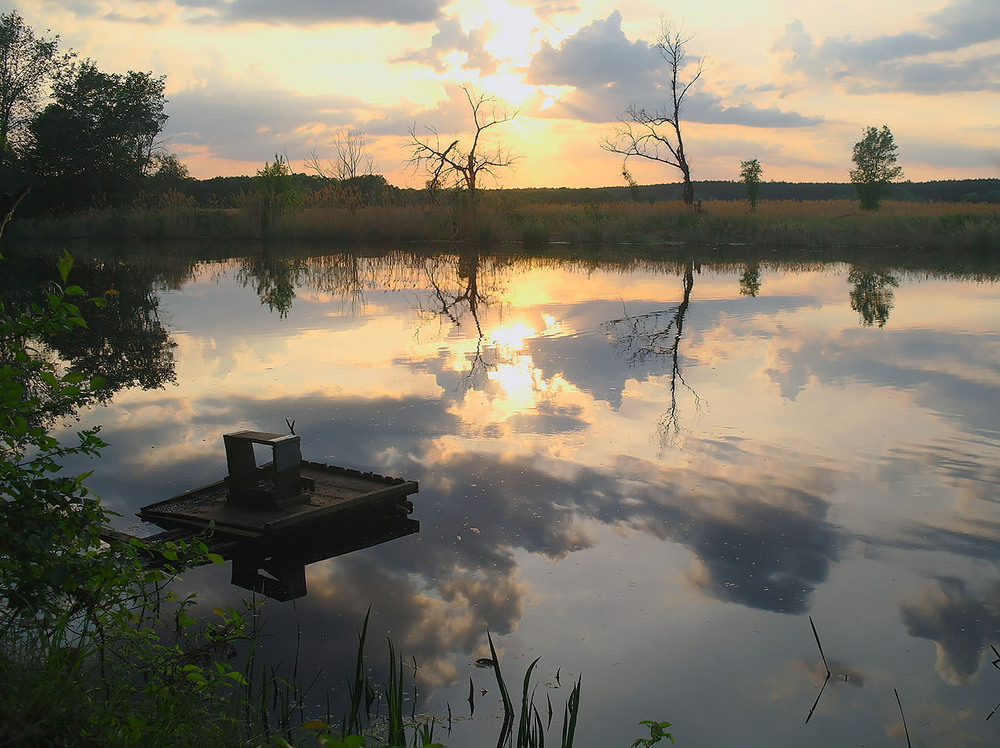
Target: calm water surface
column 647, row 473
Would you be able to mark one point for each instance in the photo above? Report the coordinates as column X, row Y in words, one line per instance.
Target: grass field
column 501, row 217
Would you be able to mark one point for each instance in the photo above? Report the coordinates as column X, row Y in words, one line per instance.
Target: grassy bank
column 503, row 218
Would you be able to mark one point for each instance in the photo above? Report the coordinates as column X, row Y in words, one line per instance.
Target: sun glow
column 512, row 32
column 511, row 337
column 508, row 86
column 518, row 382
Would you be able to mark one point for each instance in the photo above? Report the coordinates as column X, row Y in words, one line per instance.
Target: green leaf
column 65, row 264
column 215, row 558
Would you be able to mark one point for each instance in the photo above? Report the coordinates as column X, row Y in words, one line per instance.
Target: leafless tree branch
column 656, row 135
column 460, row 166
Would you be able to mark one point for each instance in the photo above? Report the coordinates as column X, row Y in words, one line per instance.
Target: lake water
column 650, row 474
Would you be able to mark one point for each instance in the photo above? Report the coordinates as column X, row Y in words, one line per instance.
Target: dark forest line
column 226, row 191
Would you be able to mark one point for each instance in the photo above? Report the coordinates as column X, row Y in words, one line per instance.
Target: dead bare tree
column 351, row 158
column 656, row 135
column 459, row 165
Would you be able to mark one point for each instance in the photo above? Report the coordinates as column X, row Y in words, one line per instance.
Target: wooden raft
column 283, row 495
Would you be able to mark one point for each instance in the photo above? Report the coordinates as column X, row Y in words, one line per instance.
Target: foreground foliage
column 93, row 649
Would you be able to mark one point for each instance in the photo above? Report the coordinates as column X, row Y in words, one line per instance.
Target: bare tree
column 351, row 158
column 656, row 135
column 458, row 165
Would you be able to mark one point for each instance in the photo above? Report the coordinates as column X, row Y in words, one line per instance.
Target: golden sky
column 790, row 83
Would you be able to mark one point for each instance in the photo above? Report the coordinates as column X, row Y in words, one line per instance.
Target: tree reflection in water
column 658, row 335
column 464, row 293
column 750, row 280
column 274, row 279
column 124, row 342
column 872, row 295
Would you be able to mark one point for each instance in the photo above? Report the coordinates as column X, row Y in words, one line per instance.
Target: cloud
column 596, row 54
column 959, row 623
column 609, row 72
column 945, row 57
column 309, row 12
column 948, row 154
column 233, row 121
column 711, row 109
column 450, row 38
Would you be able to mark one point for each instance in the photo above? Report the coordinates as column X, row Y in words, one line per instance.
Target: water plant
column 657, row 732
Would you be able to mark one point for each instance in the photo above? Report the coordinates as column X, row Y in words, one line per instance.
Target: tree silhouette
column 463, row 165
column 656, row 135
column 273, row 278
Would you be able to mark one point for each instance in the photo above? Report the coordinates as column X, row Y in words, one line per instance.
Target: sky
column 792, row 84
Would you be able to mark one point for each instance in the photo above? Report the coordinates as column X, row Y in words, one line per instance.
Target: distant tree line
column 959, row 190
column 230, row 192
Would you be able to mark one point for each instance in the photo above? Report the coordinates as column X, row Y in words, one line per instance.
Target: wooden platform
column 331, row 494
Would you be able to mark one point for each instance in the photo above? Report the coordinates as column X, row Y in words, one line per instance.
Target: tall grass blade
column 570, row 713
column 394, row 698
column 508, row 706
column 818, row 696
column 815, row 634
column 903, row 717
column 356, row 688
column 524, row 725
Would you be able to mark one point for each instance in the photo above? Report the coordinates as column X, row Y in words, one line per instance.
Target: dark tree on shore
column 463, row 165
column 95, row 143
column 656, row 135
column 27, row 62
column 875, row 167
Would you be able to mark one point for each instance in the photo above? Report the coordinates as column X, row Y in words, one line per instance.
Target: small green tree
column 750, row 173
column 875, row 167
column 273, row 195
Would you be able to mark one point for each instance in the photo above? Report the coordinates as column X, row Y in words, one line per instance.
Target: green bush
column 84, row 658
